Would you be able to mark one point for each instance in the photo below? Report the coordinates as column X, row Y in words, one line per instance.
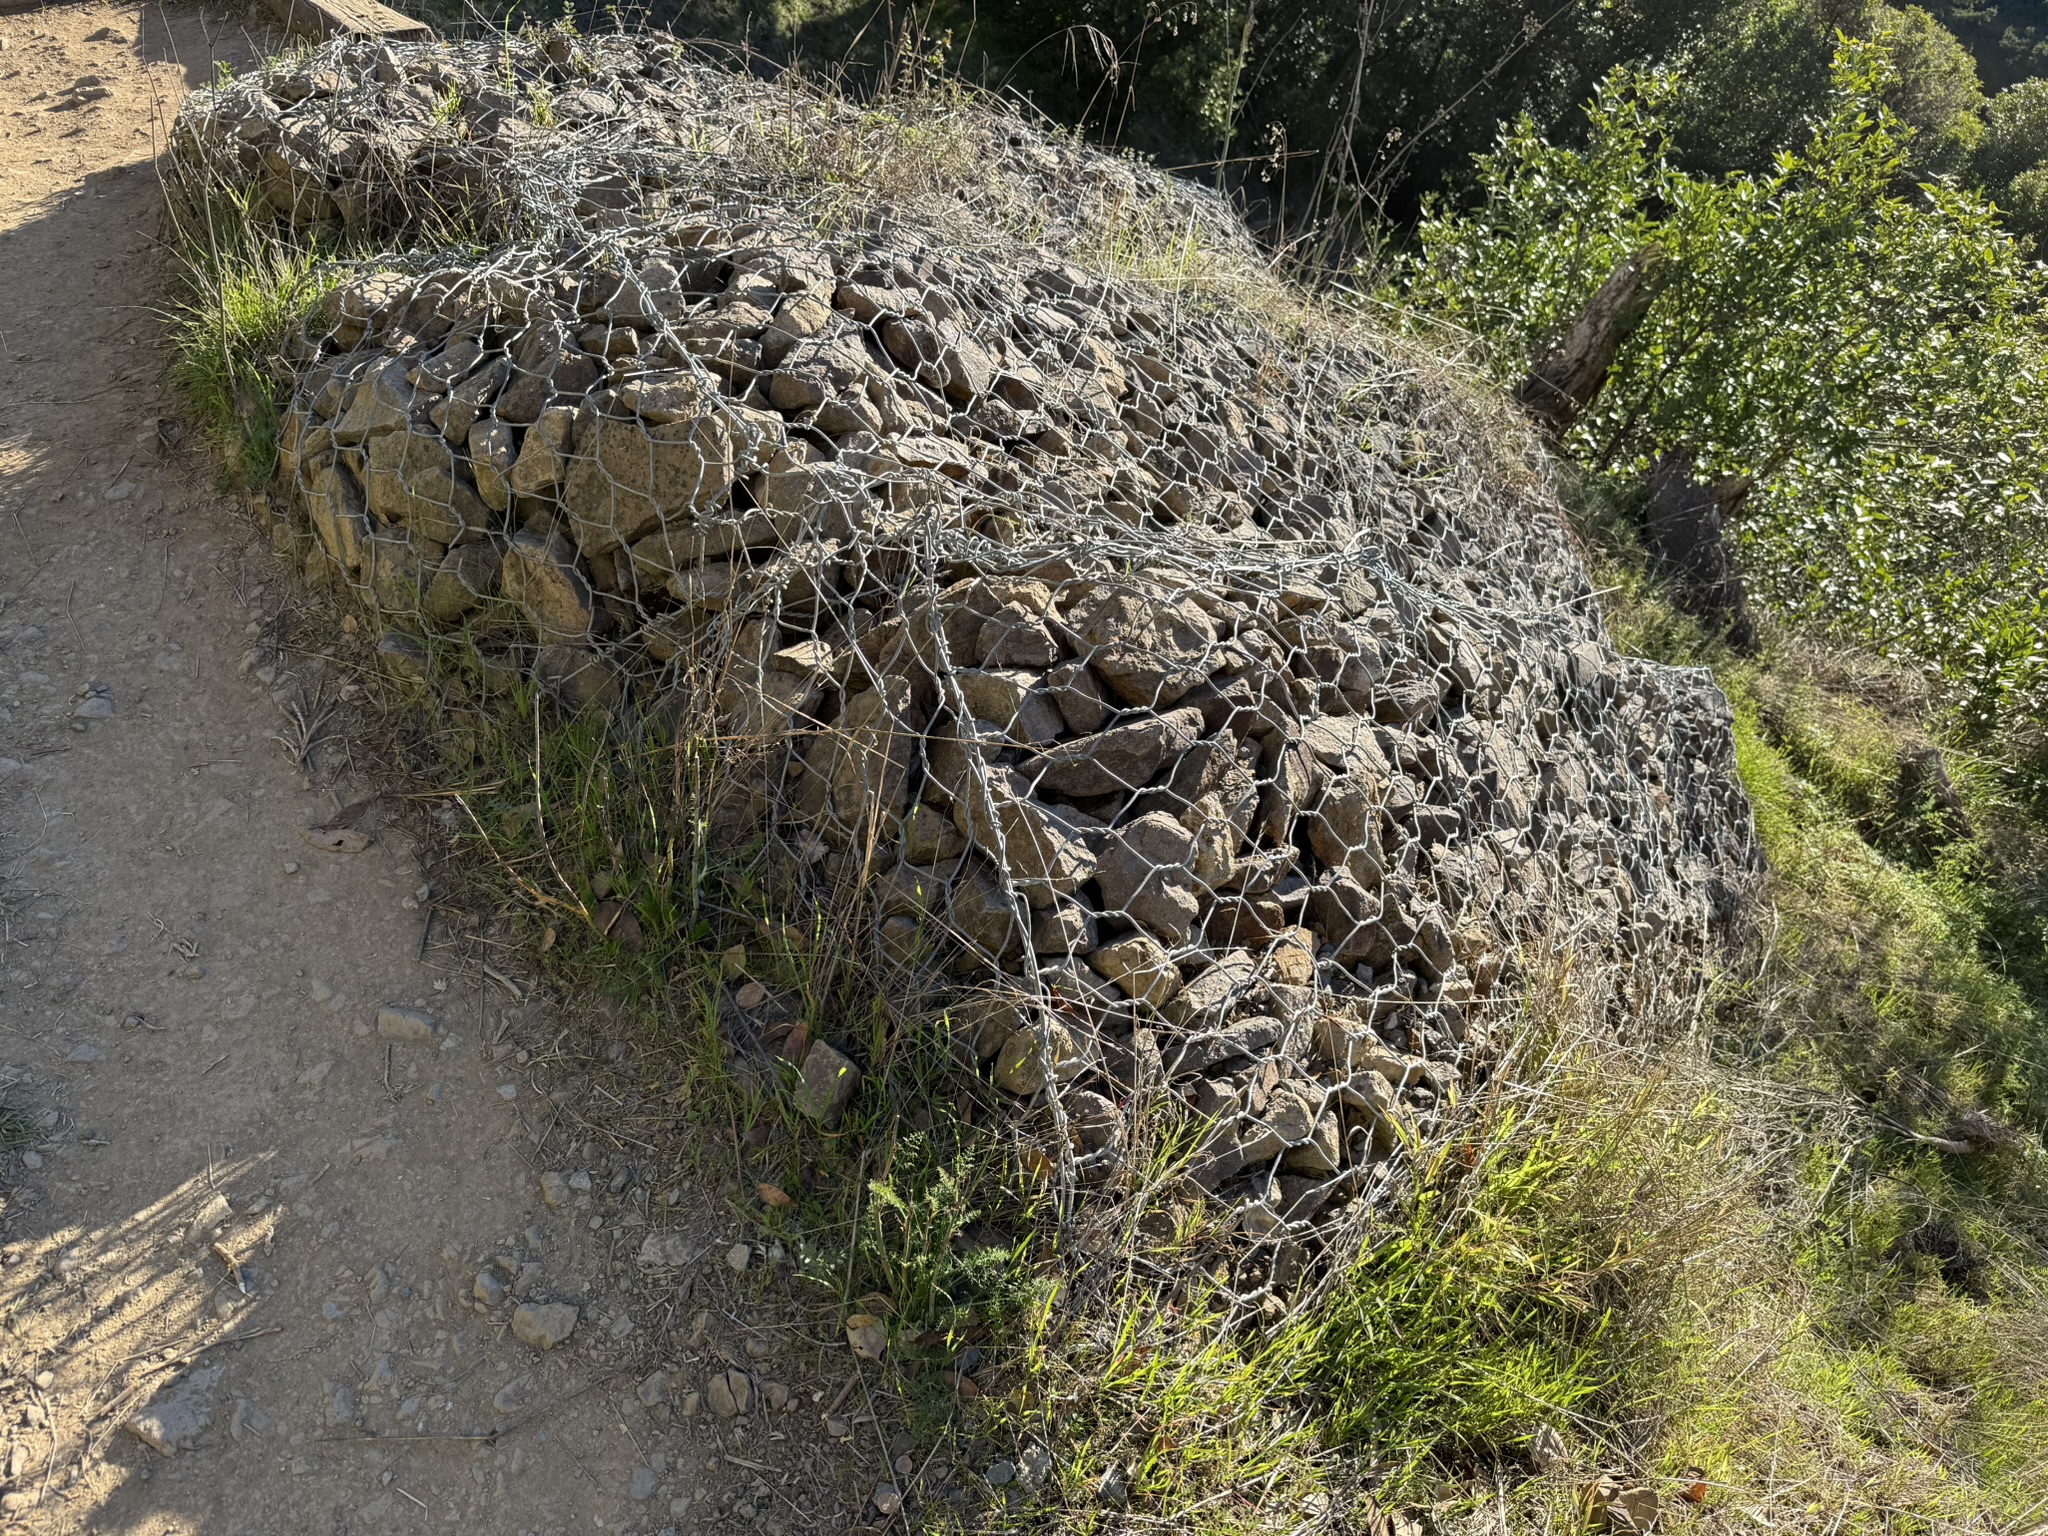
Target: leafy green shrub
column 1864, row 357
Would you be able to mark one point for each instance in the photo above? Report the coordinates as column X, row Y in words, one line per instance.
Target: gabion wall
column 1178, row 684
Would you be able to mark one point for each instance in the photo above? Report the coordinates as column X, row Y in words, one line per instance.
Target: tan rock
column 1140, row 965
column 335, row 509
column 1292, row 959
column 467, row 575
column 1150, row 648
column 628, row 476
column 730, row 1394
column 380, row 402
column 577, row 676
column 1144, row 875
column 1033, row 1057
column 1011, row 700
column 1214, row 990
column 830, row 1080
column 492, row 455
column 662, row 556
column 543, row 1325
column 1044, row 848
column 540, row 575
column 412, row 479
column 544, row 455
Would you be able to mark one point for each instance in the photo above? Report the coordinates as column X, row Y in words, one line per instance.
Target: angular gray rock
column 179, row 1414
column 1121, row 759
column 543, row 1325
column 1145, row 876
column 830, row 1080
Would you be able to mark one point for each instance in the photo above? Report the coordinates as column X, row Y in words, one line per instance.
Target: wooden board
column 357, row 18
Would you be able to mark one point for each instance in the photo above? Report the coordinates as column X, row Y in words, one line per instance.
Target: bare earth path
column 189, row 997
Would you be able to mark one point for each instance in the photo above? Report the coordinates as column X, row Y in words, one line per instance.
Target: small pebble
column 738, row 1257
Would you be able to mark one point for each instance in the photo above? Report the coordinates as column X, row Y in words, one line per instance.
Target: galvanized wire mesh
column 1167, row 677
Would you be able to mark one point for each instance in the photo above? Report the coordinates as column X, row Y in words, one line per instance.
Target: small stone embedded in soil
column 340, row 1405
column 653, row 1389
column 669, row 1250
column 554, row 1189
column 1033, row 1466
column 642, row 1485
column 738, row 1257
column 543, row 1325
column 488, row 1289
column 829, row 1081
column 513, row 1396
column 179, row 1415
column 729, row 1393
column 888, row 1499
column 406, row 1024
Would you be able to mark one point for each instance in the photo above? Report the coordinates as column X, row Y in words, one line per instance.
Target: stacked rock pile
column 538, row 134
column 1173, row 683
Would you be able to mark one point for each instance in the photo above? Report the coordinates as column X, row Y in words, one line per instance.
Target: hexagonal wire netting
column 1167, row 677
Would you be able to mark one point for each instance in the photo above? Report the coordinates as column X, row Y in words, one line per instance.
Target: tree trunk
column 1683, row 530
column 1565, row 382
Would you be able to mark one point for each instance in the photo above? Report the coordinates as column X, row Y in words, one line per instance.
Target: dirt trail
column 189, row 993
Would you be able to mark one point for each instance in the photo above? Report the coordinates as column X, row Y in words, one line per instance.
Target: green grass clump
column 1491, row 1310
column 17, row 1131
column 247, row 294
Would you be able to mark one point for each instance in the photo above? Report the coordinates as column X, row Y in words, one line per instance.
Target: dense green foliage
column 1330, row 117
column 2007, row 38
column 1866, row 354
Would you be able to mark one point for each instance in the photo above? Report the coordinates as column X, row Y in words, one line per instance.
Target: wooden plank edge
column 356, row 18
